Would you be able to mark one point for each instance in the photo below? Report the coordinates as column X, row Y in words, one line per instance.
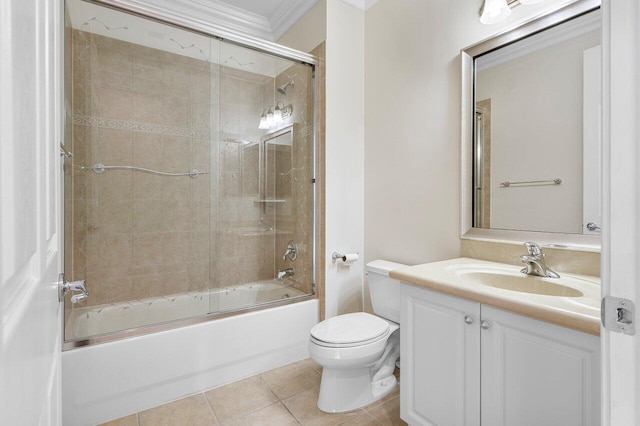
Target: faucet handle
column 533, row 248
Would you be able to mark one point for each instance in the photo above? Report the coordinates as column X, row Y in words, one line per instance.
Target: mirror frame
column 467, row 231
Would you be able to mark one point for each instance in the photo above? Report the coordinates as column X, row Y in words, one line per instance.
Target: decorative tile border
column 111, row 123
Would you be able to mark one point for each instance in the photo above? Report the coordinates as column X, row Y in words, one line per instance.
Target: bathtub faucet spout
column 284, row 273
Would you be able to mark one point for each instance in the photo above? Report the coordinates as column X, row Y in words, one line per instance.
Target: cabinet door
column 440, row 359
column 536, row 373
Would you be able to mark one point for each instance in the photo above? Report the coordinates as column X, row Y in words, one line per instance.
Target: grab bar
column 101, row 168
column 556, row 181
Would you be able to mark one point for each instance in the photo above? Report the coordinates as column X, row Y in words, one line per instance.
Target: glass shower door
column 141, row 111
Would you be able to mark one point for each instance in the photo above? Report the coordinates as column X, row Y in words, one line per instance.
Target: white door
column 30, row 237
column 621, row 204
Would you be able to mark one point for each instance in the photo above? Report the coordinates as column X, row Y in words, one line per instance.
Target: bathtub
column 101, row 319
column 110, row 380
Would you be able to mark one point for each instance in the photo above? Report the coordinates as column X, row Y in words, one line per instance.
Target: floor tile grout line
column 204, row 393
column 269, row 386
column 289, row 411
column 249, row 412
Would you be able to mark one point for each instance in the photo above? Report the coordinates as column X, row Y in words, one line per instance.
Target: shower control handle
column 72, row 286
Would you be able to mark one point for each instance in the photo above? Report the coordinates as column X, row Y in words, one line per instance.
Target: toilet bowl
column 358, row 351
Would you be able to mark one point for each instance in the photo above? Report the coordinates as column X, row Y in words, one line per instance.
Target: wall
column 412, row 97
column 342, row 26
column 344, row 155
column 309, row 31
column 526, row 92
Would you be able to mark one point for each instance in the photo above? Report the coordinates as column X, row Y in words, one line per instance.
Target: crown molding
column 228, row 16
column 221, row 14
column 287, row 14
column 361, row 4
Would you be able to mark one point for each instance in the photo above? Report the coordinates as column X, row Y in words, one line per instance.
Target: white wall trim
column 228, row 16
column 361, row 4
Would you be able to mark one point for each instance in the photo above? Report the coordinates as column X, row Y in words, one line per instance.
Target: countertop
column 580, row 313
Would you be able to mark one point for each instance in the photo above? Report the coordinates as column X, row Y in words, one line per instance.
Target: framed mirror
column 531, row 131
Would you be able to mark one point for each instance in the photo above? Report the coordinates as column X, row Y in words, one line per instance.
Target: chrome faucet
column 535, row 263
column 291, row 252
column 284, row 273
column 72, row 286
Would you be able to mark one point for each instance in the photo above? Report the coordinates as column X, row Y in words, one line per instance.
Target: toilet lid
column 350, row 328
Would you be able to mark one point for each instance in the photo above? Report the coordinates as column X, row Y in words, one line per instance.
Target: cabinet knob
column 468, row 319
column 485, row 325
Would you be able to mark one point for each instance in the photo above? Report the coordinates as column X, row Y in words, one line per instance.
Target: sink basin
column 523, row 284
column 571, row 301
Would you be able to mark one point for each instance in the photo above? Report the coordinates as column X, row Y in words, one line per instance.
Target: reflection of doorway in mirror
column 482, row 165
column 592, row 143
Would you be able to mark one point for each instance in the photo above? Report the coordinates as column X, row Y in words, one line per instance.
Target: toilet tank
column 384, row 290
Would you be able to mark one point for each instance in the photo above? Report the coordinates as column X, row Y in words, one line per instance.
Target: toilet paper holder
column 347, row 258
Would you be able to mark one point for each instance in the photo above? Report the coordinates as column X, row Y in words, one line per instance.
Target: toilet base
column 345, row 390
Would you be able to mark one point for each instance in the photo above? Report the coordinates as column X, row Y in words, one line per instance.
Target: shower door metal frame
column 156, row 13
column 135, row 8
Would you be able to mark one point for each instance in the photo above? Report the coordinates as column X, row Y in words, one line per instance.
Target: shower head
column 283, row 89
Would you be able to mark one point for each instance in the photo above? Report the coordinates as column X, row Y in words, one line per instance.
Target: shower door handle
column 73, row 286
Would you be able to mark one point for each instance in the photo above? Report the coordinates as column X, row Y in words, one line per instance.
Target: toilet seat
column 350, row 330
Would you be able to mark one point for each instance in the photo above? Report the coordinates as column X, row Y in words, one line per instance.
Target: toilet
column 358, row 351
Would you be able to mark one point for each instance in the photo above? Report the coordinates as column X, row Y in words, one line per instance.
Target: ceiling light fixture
column 275, row 115
column 263, row 121
column 494, row 11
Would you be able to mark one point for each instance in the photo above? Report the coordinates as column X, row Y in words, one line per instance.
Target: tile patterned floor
column 281, row 397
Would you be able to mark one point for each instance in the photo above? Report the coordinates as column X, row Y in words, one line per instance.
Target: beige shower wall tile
column 147, row 186
column 114, row 186
column 176, row 216
column 177, row 152
column 115, row 216
column 148, row 108
column 147, row 249
column 115, row 251
column 148, row 216
column 111, row 102
column 177, row 111
column 145, row 286
column 114, row 146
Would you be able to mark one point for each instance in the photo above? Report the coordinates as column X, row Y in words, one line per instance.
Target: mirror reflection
column 537, row 132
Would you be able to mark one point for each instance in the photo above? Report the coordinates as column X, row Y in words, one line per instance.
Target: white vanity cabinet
column 439, row 358
column 464, row 363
